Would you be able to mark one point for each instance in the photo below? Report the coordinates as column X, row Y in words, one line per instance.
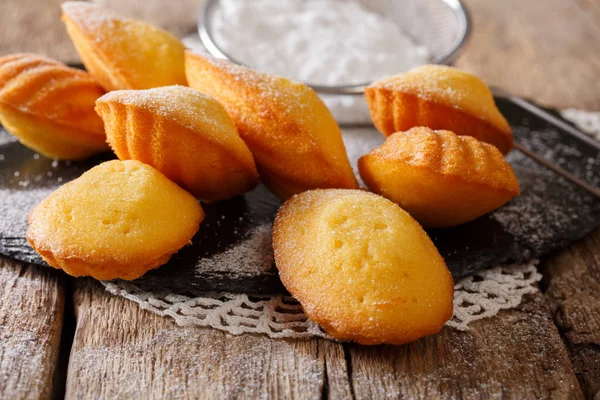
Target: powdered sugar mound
column 325, row 42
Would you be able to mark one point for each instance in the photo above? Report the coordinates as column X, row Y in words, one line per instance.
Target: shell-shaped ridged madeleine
column 438, row 97
column 361, row 267
column 295, row 140
column 49, row 107
column 116, row 221
column 123, row 53
column 185, row 134
column 440, row 178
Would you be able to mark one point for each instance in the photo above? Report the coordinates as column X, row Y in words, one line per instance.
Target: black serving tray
column 232, row 250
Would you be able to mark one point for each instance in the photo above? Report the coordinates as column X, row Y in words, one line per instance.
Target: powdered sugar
column 588, row 122
column 252, row 256
column 325, row 42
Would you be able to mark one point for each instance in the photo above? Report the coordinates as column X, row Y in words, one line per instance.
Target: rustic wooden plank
column 31, row 314
column 548, row 51
column 517, row 354
column 122, row 351
column 573, row 286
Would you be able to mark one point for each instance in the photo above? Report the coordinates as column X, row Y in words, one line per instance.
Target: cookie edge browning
column 379, row 158
column 73, row 263
column 309, row 308
column 101, row 62
column 400, row 109
column 48, row 148
column 70, row 134
column 76, row 32
column 339, row 173
column 112, row 102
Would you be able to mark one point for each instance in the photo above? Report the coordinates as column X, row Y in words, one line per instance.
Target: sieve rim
column 456, row 6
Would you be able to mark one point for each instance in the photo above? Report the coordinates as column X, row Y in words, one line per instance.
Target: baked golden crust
column 438, row 97
column 117, row 220
column 295, row 141
column 361, row 267
column 49, row 107
column 440, row 178
column 186, row 135
column 123, row 53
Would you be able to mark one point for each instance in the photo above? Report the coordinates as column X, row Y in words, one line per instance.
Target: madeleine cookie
column 361, row 267
column 186, row 135
column 295, row 141
column 440, row 178
column 438, row 97
column 117, row 220
column 49, row 107
column 123, row 53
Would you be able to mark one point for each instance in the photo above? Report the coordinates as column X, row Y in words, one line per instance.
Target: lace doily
column 476, row 297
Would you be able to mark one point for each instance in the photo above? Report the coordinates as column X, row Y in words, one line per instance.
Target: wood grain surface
column 573, row 291
column 546, row 51
column 32, row 301
column 520, row 356
column 138, row 354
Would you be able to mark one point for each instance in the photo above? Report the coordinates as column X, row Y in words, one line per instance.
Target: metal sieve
column 440, row 25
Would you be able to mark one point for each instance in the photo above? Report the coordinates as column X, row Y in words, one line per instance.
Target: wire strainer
column 440, row 25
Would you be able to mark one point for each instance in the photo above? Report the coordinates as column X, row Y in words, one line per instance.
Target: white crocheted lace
column 476, row 297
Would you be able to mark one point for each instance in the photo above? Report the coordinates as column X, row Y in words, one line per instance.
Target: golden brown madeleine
column 438, row 97
column 361, row 267
column 186, row 135
column 49, row 107
column 123, row 53
column 440, row 178
column 295, row 141
column 117, row 220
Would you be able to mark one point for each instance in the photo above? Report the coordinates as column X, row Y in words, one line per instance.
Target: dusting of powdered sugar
column 589, row 122
column 319, row 42
column 15, row 202
column 252, row 256
column 325, row 42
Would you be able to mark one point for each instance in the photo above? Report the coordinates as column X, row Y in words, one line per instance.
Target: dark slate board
column 232, row 250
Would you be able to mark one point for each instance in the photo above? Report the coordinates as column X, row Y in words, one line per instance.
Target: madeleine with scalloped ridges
column 292, row 135
column 49, row 107
column 440, row 178
column 123, row 53
column 117, row 220
column 185, row 134
column 361, row 267
column 438, row 97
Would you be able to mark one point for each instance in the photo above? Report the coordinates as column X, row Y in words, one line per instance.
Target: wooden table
column 60, row 336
